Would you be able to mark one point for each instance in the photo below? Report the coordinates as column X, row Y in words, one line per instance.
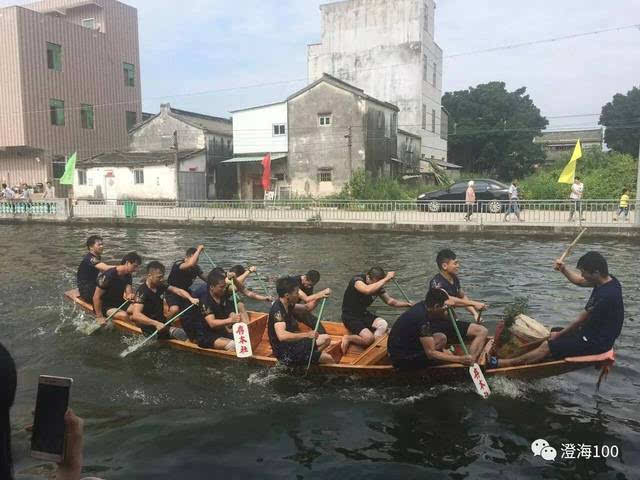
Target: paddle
column 573, row 244
column 241, row 337
column 401, row 291
column 98, row 327
column 136, row 347
column 209, row 258
column 482, row 387
column 315, row 330
column 264, row 287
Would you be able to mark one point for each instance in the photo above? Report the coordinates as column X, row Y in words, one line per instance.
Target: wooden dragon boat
column 370, row 362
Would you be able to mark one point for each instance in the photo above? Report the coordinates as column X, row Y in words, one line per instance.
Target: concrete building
column 70, row 76
column 202, row 142
column 409, row 151
column 387, row 48
column 256, row 132
column 557, row 143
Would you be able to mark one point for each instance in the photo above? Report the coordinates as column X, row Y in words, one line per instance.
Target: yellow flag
column 568, row 175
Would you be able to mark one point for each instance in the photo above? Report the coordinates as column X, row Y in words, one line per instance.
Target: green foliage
column 519, row 306
column 493, row 130
column 604, row 176
column 363, row 186
column 622, row 118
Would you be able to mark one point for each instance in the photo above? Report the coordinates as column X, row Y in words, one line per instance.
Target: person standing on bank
column 577, row 190
column 49, row 192
column 513, row 202
column 470, row 201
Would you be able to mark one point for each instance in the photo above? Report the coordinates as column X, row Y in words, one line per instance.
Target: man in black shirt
column 448, row 280
column 207, row 325
column 239, row 277
column 308, row 299
column 289, row 345
column 89, row 268
column 114, row 286
column 596, row 328
column 148, row 307
column 358, row 296
column 418, row 337
column 182, row 275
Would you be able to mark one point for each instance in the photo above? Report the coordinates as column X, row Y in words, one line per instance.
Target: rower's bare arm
column 213, row 322
column 128, row 293
column 139, row 317
column 286, row 336
column 326, row 293
column 304, row 297
column 573, row 276
column 183, row 293
column 394, row 302
column 429, row 346
column 373, row 288
column 256, row 296
column 103, row 267
column 193, row 259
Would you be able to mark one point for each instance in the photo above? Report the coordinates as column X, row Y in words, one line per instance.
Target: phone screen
column 48, row 425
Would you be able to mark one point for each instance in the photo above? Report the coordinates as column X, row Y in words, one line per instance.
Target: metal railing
column 544, row 212
column 32, row 208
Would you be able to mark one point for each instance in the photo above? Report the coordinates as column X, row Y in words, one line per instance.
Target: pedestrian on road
column 49, row 192
column 624, row 205
column 7, row 192
column 577, row 190
column 470, row 200
column 513, row 202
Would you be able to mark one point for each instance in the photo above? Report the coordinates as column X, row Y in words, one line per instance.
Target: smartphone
column 47, row 439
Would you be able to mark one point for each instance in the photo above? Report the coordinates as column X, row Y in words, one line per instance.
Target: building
column 317, row 139
column 409, row 150
column 70, row 81
column 387, row 48
column 559, row 142
column 147, row 168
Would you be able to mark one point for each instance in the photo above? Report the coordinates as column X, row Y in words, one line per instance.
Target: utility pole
column 636, row 213
column 175, row 148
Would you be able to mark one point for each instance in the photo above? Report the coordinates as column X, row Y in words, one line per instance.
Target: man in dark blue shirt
column 89, row 268
column 114, row 286
column 420, row 334
column 597, row 327
column 182, row 275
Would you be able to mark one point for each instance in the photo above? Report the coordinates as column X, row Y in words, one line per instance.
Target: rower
column 89, row 268
column 289, row 345
column 308, row 299
column 596, row 328
column 448, row 280
column 420, row 334
column 114, row 286
column 182, row 275
column 206, row 325
column 358, row 296
column 148, row 306
column 240, row 277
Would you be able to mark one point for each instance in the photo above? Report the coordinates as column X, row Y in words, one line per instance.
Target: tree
column 622, row 119
column 493, row 130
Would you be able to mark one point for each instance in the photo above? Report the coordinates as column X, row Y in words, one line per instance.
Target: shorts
column 173, row 300
column 416, row 362
column 86, row 293
column 199, row 332
column 445, row 327
column 295, row 354
column 355, row 324
column 573, row 345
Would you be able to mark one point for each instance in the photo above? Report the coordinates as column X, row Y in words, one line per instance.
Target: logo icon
column 542, row 449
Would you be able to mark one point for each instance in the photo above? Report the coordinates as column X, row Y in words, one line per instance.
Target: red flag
column 266, row 172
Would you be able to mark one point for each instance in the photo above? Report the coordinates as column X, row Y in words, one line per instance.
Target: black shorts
column 573, row 345
column 416, row 362
column 355, row 324
column 201, row 334
column 86, row 293
column 173, row 300
column 445, row 327
column 295, row 354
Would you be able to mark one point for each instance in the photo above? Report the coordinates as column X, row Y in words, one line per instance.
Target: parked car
column 490, row 192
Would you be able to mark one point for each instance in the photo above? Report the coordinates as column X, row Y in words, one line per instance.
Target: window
column 132, row 119
column 129, row 75
column 229, row 144
column 324, row 175
column 324, row 119
column 138, row 176
column 280, row 177
column 424, row 116
column 82, row 177
column 426, row 17
column 433, row 121
column 380, row 119
column 56, row 112
column 279, row 129
column 86, row 116
column 89, row 23
column 435, row 74
column 425, row 69
column 58, row 164
column 54, row 57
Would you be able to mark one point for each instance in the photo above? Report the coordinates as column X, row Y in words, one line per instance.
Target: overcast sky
column 216, row 46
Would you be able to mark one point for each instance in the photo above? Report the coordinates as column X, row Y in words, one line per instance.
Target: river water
column 166, row 414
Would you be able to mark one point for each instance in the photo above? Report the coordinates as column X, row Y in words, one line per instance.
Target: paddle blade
column 482, row 387
column 242, row 340
column 130, row 350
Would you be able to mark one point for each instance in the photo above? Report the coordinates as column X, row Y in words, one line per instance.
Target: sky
column 210, row 56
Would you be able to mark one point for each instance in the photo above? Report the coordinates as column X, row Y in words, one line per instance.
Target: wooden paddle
column 401, row 291
column 136, row 347
column 315, row 330
column 213, row 265
column 98, row 327
column 241, row 337
column 573, row 244
column 482, row 387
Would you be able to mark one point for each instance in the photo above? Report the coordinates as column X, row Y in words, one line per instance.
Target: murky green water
column 167, row 414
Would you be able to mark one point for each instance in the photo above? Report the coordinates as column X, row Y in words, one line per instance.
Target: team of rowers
column 417, row 340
